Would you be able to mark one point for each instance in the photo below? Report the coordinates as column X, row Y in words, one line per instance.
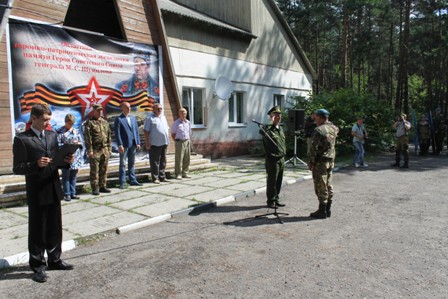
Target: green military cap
column 97, row 107
column 322, row 112
column 275, row 109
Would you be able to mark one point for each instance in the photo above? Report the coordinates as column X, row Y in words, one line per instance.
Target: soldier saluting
column 321, row 162
column 98, row 147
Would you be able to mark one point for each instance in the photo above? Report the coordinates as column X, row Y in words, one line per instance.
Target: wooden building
column 246, row 42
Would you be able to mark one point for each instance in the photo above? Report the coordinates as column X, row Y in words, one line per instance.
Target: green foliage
column 361, row 44
column 345, row 106
column 417, row 94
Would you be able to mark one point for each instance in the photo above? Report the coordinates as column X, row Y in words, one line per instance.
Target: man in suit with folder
column 33, row 152
column 128, row 141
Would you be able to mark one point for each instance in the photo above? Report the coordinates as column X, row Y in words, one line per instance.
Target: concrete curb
column 23, row 258
column 143, row 223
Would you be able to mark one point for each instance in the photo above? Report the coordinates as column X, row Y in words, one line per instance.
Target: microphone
column 258, row 123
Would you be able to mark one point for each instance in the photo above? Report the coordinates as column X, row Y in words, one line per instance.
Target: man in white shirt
column 359, row 134
column 156, row 141
column 402, row 127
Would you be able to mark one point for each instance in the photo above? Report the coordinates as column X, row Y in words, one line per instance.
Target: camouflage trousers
column 98, row 169
column 322, row 177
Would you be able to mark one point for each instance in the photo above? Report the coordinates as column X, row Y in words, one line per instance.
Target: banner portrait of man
column 70, row 71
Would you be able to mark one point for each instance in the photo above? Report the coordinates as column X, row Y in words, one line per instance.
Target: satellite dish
column 223, row 88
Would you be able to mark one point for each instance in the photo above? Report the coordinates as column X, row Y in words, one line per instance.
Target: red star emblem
column 92, row 94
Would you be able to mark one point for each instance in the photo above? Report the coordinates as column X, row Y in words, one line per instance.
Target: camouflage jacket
column 323, row 143
column 97, row 135
column 277, row 135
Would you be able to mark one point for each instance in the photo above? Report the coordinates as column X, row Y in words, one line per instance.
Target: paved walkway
column 123, row 210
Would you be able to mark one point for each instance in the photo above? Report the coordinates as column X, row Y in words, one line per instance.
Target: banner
column 72, row 70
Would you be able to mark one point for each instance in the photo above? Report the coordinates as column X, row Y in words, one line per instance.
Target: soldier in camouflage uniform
column 99, row 147
column 275, row 157
column 321, row 162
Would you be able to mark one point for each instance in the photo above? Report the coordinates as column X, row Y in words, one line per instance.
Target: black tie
column 42, row 138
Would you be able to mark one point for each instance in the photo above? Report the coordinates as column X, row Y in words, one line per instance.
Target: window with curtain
column 192, row 100
column 236, row 108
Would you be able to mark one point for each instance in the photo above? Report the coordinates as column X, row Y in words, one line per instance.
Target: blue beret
column 322, row 112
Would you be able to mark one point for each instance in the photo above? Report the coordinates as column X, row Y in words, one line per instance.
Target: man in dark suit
column 128, row 141
column 33, row 151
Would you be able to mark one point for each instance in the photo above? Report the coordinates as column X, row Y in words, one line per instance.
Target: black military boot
column 321, row 213
column 397, row 159
column 329, row 208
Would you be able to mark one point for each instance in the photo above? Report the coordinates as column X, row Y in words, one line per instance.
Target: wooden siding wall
column 140, row 26
column 234, row 12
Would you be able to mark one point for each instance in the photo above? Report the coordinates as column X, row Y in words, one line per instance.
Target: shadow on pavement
column 416, row 163
column 221, row 209
column 262, row 220
column 15, row 273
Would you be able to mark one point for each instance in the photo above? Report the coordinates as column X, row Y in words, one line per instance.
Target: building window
column 279, row 100
column 192, row 100
column 236, row 108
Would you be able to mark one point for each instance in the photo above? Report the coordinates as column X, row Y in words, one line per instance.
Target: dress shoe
column 186, row 176
column 280, row 204
column 67, row 198
column 40, row 276
column 164, row 180
column 75, row 197
column 156, row 181
column 135, row 184
column 178, row 177
column 60, row 265
column 104, row 190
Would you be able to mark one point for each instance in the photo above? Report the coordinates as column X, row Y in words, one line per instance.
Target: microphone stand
column 275, row 213
column 265, row 133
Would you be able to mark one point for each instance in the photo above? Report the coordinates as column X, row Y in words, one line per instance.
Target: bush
column 344, row 106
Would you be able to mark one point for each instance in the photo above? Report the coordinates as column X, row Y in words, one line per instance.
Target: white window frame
column 279, row 100
column 233, row 100
column 191, row 108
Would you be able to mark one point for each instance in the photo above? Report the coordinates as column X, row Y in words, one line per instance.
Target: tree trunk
column 344, row 45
